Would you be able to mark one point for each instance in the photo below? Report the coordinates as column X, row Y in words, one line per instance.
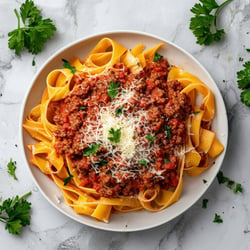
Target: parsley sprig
column 113, row 89
column 119, row 110
column 244, row 83
column 67, row 179
column 217, row 219
column 35, row 30
column 203, row 24
column 14, row 212
column 91, row 150
column 157, row 57
column 12, row 168
column 115, row 135
column 67, row 65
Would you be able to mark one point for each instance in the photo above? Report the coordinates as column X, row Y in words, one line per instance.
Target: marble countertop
column 74, row 19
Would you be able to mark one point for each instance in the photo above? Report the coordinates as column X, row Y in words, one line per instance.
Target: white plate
column 193, row 187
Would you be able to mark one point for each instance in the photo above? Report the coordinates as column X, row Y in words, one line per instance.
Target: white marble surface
column 74, row 19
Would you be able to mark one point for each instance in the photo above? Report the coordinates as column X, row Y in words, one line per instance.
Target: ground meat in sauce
column 167, row 110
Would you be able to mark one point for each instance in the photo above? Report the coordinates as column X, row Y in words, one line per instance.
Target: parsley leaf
column 245, row 97
column 203, row 24
column 166, row 161
column 248, row 50
column 168, row 132
column 157, row 57
column 67, row 65
column 12, row 168
column 116, row 135
column 204, row 181
column 230, row 183
column 101, row 163
column 244, row 83
column 82, row 108
column 221, row 178
column 142, row 162
column 217, row 219
column 35, row 31
column 204, row 203
column 150, row 138
column 67, row 179
column 14, row 212
column 197, row 112
column 113, row 89
column 238, row 188
column 119, row 110
column 91, row 150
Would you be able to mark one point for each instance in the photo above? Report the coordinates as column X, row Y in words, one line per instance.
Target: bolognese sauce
column 122, row 130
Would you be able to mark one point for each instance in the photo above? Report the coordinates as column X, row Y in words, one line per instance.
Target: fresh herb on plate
column 221, row 178
column 203, row 24
column 166, row 161
column 157, row 57
column 67, row 179
column 217, row 219
column 67, row 65
column 150, row 138
column 91, row 150
column 12, row 168
column 238, row 188
column 143, row 163
column 115, row 135
column 168, row 132
column 113, row 89
column 244, row 83
column 34, row 32
column 82, row 108
column 204, row 203
column 14, row 212
column 204, row 181
column 119, row 110
column 230, row 183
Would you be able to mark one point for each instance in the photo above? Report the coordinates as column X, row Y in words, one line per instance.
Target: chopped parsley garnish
column 67, row 180
column 150, row 138
column 33, row 62
column 113, row 89
column 203, row 24
column 91, row 150
column 230, row 183
column 204, row 203
column 14, row 212
column 166, row 161
column 34, row 32
column 138, row 64
column 101, row 163
column 241, row 59
column 119, row 110
column 67, row 65
column 217, row 219
column 116, row 135
column 204, row 181
column 244, row 83
column 82, row 108
column 142, row 162
column 197, row 112
column 238, row 188
column 12, row 168
column 248, row 50
column 221, row 178
column 168, row 132
column 157, row 57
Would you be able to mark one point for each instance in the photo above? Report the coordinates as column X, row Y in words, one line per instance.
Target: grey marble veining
column 74, row 19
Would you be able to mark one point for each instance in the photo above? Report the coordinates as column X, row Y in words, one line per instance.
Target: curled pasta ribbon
column 192, row 85
column 105, row 54
column 158, row 199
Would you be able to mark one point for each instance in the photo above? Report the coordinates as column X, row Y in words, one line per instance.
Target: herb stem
column 219, row 9
column 25, row 195
column 2, row 219
column 18, row 18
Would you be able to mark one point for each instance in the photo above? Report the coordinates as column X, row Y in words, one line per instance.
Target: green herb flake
column 12, row 168
column 230, row 184
column 168, row 132
column 34, row 31
column 221, row 178
column 238, row 188
column 143, row 163
column 67, row 180
column 91, row 150
column 217, row 219
column 204, row 181
column 115, row 135
column 150, row 138
column 67, row 65
column 248, row 50
column 113, row 89
column 14, row 212
column 101, row 163
column 197, row 112
column 241, row 59
column 157, row 57
column 33, row 62
column 166, row 161
column 82, row 108
column 119, row 110
column 204, row 203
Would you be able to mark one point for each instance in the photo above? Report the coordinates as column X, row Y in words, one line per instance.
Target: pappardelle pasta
column 118, row 133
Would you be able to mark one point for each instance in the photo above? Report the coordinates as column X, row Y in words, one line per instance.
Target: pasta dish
column 117, row 130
